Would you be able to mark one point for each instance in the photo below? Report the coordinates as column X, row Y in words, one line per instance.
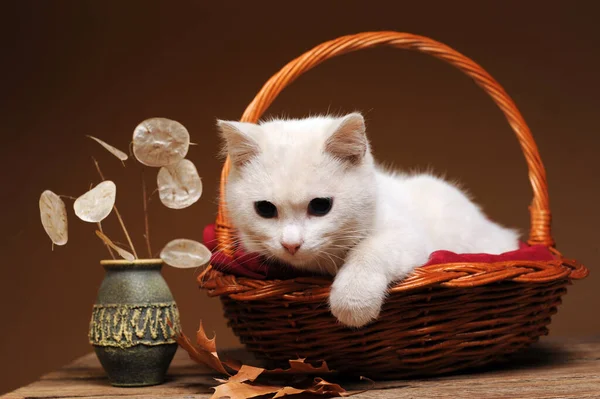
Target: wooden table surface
column 549, row 369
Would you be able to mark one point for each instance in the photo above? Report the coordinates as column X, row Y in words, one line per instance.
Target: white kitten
column 308, row 193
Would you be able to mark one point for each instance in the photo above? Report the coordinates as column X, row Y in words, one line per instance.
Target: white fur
column 381, row 226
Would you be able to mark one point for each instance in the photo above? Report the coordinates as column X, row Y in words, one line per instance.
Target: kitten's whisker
column 326, row 269
column 335, row 256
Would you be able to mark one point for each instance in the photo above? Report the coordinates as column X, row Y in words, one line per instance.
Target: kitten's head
column 300, row 191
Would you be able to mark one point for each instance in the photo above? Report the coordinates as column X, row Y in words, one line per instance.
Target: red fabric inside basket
column 244, row 264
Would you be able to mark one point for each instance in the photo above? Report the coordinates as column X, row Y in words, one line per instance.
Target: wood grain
column 550, row 369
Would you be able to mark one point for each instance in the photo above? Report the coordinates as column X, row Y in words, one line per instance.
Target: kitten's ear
column 238, row 140
column 349, row 141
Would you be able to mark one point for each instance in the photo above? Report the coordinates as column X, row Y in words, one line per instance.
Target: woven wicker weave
column 444, row 317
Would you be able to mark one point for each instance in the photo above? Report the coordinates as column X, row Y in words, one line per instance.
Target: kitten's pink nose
column 291, row 247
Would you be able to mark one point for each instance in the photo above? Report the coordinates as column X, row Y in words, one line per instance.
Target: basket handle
column 539, row 209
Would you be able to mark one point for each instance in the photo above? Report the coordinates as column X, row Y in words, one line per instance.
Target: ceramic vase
column 129, row 328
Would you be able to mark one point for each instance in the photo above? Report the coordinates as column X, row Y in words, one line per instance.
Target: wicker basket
column 443, row 318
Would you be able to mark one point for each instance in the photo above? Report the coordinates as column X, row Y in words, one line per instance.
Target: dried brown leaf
column 288, row 391
column 205, row 343
column 193, row 352
column 160, row 142
column 240, row 390
column 232, row 364
column 115, row 151
column 95, row 205
column 205, row 353
column 208, row 346
column 245, row 389
column 322, row 387
column 299, row 366
column 246, row 383
column 53, row 213
column 247, row 373
column 123, row 253
column 179, row 185
column 184, row 253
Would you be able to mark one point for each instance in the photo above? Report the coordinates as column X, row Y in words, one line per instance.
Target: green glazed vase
column 129, row 327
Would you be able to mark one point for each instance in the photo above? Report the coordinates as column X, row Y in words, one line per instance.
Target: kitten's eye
column 265, row 209
column 320, row 206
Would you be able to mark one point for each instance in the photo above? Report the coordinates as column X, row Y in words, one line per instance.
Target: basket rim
column 461, row 275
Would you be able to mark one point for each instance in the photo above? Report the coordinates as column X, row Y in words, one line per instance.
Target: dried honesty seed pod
column 160, row 142
column 123, row 253
column 184, row 253
column 179, row 185
column 53, row 213
column 95, row 205
column 116, row 152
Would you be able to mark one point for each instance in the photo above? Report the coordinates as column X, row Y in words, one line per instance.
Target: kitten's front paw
column 355, row 302
column 353, row 314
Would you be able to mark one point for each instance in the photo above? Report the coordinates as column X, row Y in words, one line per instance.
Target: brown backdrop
column 71, row 68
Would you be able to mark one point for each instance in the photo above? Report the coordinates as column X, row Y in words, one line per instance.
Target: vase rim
column 135, row 262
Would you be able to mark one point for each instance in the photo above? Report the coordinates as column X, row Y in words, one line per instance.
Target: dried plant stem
column 110, row 251
column 126, row 233
column 118, row 213
column 146, row 224
column 123, row 253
